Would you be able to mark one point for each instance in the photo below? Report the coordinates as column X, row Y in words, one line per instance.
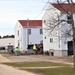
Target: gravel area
column 8, row 70
column 31, row 58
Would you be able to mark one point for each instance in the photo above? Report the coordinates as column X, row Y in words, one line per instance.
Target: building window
column 40, row 31
column 18, row 32
column 29, row 31
column 44, row 21
column 51, row 40
column 45, row 37
column 69, row 19
column 18, row 43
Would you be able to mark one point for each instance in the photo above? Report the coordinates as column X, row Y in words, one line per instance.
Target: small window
column 18, row 32
column 45, row 37
column 44, row 21
column 40, row 31
column 29, row 31
column 51, row 40
column 69, row 19
column 18, row 43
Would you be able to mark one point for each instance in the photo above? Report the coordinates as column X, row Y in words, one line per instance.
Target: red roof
column 31, row 22
column 65, row 6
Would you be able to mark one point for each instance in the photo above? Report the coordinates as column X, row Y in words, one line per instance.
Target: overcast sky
column 13, row 10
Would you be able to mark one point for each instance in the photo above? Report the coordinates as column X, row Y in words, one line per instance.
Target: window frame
column 41, row 32
column 29, row 31
column 51, row 40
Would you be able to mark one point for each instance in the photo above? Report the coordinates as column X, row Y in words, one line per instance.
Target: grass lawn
column 4, row 52
column 34, row 64
column 65, row 70
column 53, row 71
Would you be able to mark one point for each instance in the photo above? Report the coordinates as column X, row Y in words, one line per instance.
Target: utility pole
column 27, row 32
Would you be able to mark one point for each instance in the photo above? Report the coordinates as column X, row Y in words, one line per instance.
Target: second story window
column 51, row 40
column 29, row 31
column 44, row 21
column 45, row 37
column 69, row 19
column 41, row 31
column 18, row 32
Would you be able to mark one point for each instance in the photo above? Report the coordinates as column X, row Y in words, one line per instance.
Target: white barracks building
column 54, row 42
column 28, row 32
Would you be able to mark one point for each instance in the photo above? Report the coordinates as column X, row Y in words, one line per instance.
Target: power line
column 42, row 10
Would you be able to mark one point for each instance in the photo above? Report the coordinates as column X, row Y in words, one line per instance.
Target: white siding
column 18, row 38
column 64, row 28
column 24, row 39
column 58, row 45
column 34, row 38
column 46, row 42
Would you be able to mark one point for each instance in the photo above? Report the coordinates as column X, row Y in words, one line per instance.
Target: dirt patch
column 8, row 70
column 4, row 59
column 31, row 58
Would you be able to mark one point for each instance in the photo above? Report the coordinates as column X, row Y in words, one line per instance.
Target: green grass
column 53, row 71
column 4, row 52
column 65, row 70
column 34, row 64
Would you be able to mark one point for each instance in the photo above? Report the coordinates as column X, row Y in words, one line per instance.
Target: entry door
column 70, row 48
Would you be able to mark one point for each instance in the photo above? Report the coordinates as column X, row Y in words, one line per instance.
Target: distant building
column 54, row 42
column 28, row 32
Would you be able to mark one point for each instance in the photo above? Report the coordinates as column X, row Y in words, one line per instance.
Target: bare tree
column 70, row 12
column 55, row 22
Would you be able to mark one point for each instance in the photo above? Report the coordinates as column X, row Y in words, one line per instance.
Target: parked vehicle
column 2, row 48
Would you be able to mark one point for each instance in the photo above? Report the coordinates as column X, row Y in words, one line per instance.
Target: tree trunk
column 73, row 41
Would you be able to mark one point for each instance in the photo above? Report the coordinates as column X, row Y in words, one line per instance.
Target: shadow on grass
column 53, row 71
